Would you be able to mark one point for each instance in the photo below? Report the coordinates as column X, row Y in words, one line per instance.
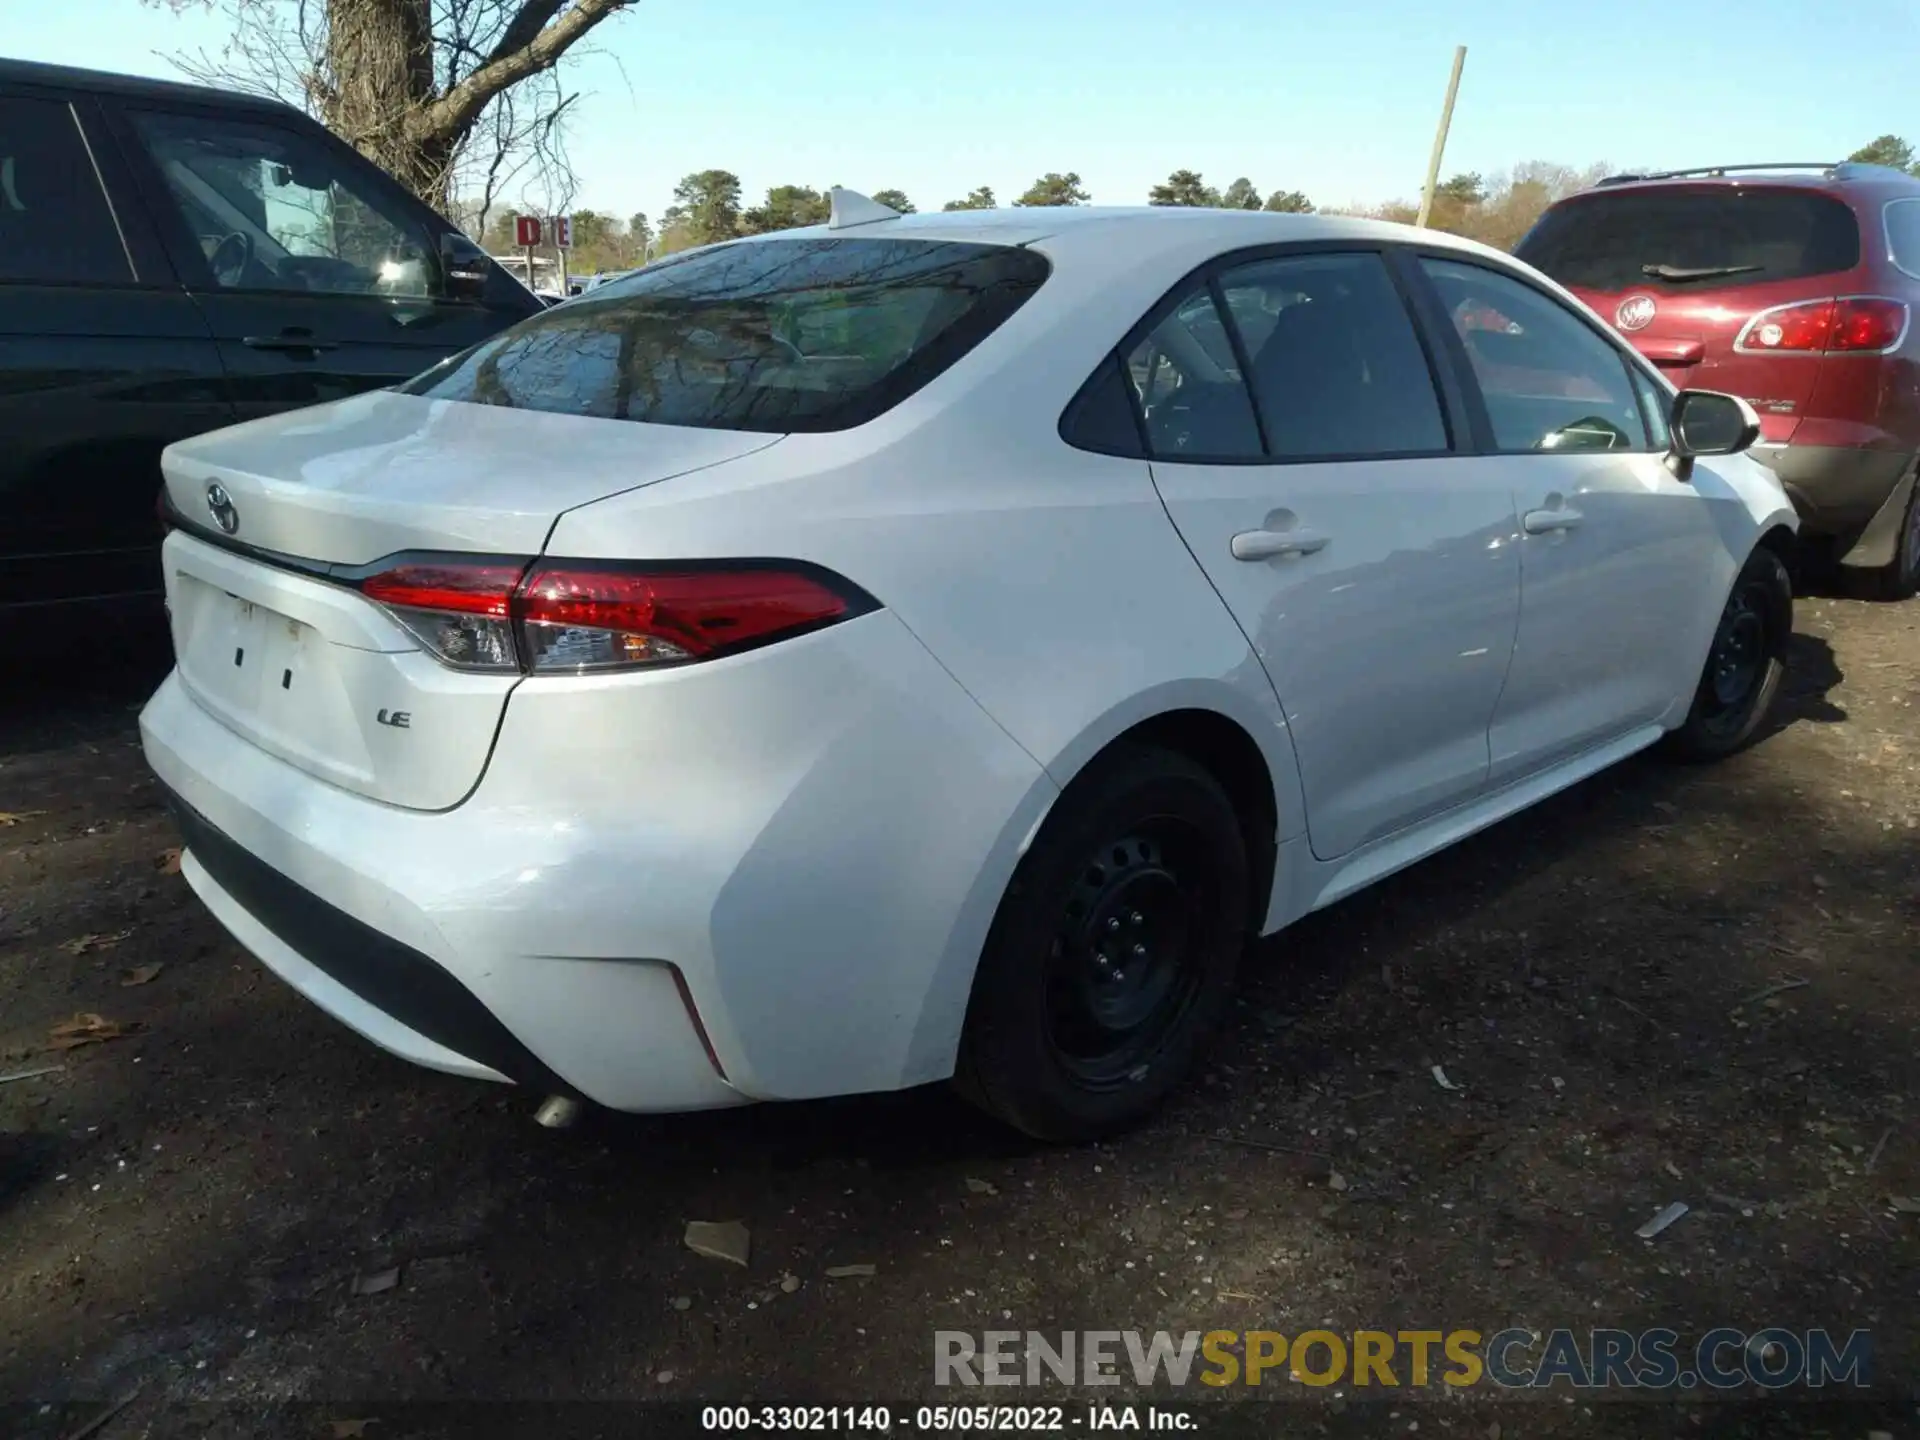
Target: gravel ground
column 186, row 1207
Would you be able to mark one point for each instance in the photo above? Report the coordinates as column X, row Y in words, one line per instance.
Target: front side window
column 55, row 227
column 1338, row 369
column 1656, row 405
column 275, row 210
column 768, row 335
column 1187, row 382
column 1549, row 382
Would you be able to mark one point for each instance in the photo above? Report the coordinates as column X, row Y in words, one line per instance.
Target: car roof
column 1146, row 228
column 32, row 72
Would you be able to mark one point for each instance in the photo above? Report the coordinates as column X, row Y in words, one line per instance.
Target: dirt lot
column 187, row 1207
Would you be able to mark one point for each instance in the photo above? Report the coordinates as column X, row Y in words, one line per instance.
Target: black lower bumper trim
column 392, row 977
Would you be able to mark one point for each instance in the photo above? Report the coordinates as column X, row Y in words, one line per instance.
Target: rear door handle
column 1545, row 522
column 304, row 344
column 1267, row 544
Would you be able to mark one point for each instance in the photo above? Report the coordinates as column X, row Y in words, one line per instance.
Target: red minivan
column 1795, row 287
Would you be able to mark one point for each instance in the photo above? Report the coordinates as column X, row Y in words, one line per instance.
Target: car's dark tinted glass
column 54, row 222
column 773, row 335
column 1102, row 416
column 1337, row 365
column 1549, row 380
column 1725, row 236
column 272, row 209
column 1186, row 380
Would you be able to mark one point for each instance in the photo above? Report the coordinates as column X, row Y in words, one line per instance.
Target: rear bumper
column 790, row 857
column 1855, row 497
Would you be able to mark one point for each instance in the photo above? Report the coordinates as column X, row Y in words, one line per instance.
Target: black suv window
column 1337, row 366
column 275, row 210
column 54, row 222
column 1692, row 239
column 768, row 335
column 1550, row 382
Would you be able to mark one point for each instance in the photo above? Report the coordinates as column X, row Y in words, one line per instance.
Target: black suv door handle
column 291, row 341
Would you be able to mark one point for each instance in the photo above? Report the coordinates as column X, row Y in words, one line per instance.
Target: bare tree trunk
column 380, row 62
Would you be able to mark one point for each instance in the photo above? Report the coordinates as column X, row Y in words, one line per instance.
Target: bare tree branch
column 455, row 112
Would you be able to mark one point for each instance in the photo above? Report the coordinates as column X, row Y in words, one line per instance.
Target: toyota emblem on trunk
column 1635, row 312
column 220, row 506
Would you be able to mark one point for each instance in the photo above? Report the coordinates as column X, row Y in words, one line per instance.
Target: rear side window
column 1692, row 239
column 1186, row 380
column 1337, row 366
column 55, row 226
column 1903, row 236
column 775, row 335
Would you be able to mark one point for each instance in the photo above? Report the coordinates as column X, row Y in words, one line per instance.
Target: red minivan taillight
column 1852, row 324
column 558, row 617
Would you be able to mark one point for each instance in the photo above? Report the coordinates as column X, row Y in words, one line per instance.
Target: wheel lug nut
column 1134, row 918
column 1101, row 960
column 1113, row 922
column 1139, row 952
column 1119, row 974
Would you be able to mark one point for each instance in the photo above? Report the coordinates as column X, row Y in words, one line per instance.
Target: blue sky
column 1337, row 99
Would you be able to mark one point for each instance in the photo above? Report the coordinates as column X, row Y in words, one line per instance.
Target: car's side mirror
column 1705, row 422
column 465, row 270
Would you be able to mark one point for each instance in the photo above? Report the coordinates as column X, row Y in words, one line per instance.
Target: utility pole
column 1440, row 137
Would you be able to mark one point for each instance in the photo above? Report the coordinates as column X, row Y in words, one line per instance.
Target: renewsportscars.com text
column 1599, row 1359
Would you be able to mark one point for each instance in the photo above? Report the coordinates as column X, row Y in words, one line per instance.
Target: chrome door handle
column 1545, row 522
column 1266, row 544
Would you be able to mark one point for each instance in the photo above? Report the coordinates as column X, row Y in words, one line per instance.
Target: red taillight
column 576, row 618
column 463, row 588
column 1856, row 324
column 561, row 617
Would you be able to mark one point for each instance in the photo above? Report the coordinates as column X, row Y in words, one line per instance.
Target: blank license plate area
column 270, row 677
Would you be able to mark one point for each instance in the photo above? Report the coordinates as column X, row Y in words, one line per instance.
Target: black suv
column 174, row 259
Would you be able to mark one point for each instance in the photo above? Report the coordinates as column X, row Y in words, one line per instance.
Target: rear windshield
column 1712, row 239
column 770, row 335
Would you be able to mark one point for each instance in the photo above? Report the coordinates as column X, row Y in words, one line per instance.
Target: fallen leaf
column 1440, row 1079
column 719, row 1240
column 789, row 1283
column 349, row 1429
column 1237, row 1214
column 85, row 1028
column 1336, row 1181
column 982, row 1187
column 168, row 863
column 86, row 944
column 1905, row 1204
column 376, row 1283
column 847, row 1272
column 140, row 975
column 14, row 817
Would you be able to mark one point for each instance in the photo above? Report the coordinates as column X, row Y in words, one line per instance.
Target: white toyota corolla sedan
column 933, row 646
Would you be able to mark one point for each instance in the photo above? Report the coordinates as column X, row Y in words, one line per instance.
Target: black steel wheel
column 1113, row 952
column 1745, row 663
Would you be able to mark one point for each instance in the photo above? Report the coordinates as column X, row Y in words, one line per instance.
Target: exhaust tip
column 558, row 1112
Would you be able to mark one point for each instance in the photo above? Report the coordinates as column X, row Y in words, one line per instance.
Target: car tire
column 1112, row 955
column 1899, row 578
column 1745, row 665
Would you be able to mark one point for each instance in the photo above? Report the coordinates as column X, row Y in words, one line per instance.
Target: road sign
column 526, row 229
column 560, row 231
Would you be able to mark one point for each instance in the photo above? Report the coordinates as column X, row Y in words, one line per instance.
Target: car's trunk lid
column 272, row 638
